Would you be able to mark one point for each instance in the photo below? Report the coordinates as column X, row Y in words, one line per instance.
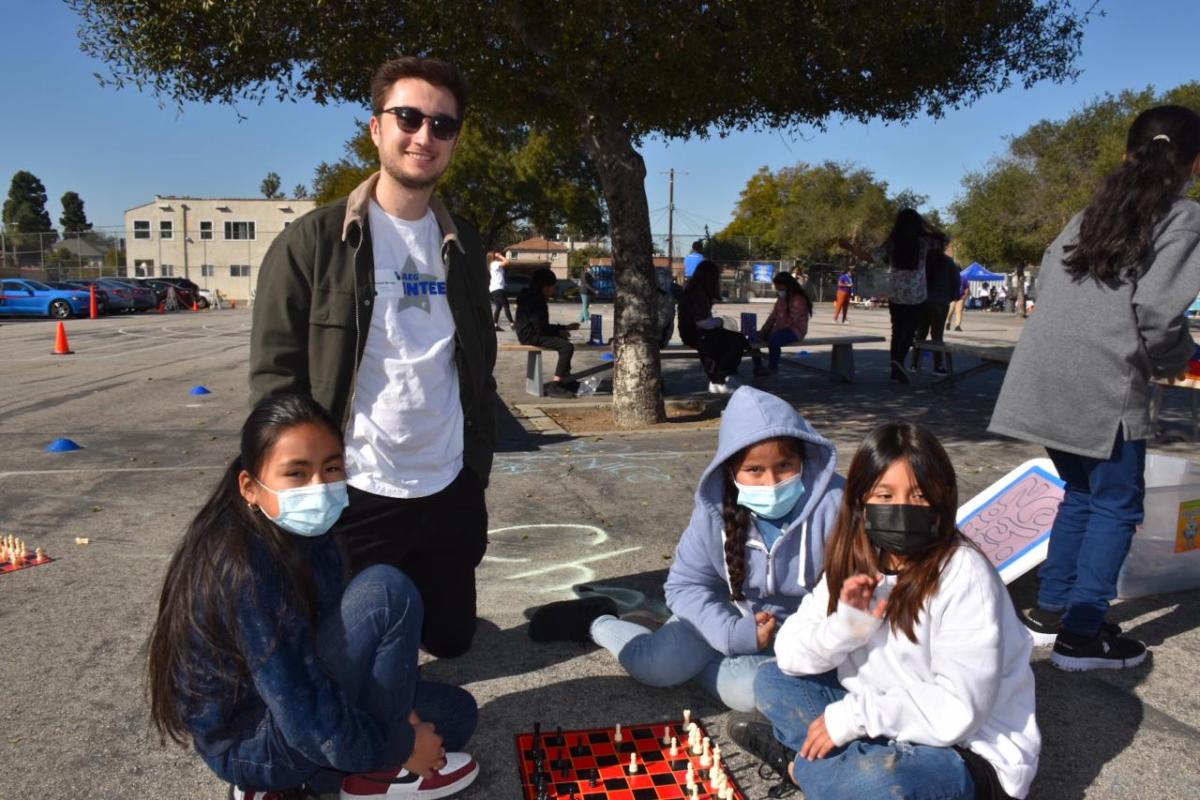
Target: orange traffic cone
column 92, row 311
column 61, row 348
column 195, row 305
column 162, row 307
column 233, row 303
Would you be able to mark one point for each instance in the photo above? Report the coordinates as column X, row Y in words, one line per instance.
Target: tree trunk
column 1020, row 291
column 637, row 369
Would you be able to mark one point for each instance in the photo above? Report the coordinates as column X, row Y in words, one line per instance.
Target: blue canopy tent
column 978, row 272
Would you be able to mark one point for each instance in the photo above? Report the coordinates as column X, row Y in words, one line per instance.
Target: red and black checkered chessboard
column 597, row 768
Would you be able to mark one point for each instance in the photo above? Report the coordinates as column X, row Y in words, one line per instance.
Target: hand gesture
column 857, row 591
column 427, row 753
column 817, row 744
column 767, row 624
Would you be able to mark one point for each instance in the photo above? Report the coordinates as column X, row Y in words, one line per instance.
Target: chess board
column 28, row 561
column 592, row 756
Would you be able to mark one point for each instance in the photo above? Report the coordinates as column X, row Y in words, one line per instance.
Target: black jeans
column 500, row 301
column 720, row 352
column 563, row 347
column 931, row 324
column 904, row 327
column 437, row 541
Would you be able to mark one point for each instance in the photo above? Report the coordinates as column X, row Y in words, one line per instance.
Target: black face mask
column 901, row 529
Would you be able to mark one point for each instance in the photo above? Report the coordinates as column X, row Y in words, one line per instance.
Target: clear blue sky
column 117, row 149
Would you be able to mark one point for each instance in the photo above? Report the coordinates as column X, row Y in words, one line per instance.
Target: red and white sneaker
column 460, row 772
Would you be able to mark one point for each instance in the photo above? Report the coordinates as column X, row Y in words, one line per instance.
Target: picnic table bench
column 990, row 357
column 841, row 359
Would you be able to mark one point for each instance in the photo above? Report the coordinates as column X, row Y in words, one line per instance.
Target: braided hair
column 737, row 518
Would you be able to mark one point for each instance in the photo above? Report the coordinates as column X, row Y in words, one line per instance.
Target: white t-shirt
column 406, row 423
column 496, row 284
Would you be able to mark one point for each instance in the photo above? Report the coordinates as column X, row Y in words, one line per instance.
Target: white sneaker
column 238, row 793
column 460, row 772
column 719, row 388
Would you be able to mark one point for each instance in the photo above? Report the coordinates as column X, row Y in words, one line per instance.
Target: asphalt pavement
column 601, row 511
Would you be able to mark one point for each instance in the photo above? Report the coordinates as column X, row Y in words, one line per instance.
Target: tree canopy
column 1012, row 210
column 73, row 219
column 270, row 186
column 607, row 73
column 26, row 222
column 498, row 178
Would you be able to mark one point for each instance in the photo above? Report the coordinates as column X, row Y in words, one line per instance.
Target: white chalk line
column 102, row 470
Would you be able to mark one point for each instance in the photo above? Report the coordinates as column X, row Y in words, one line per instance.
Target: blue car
column 36, row 299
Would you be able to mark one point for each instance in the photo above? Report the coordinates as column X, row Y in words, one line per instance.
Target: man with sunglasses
column 378, row 305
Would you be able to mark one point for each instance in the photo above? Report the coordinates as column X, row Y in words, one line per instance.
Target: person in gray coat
column 1114, row 287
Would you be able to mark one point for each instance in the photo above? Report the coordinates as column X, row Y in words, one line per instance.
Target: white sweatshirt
column 966, row 681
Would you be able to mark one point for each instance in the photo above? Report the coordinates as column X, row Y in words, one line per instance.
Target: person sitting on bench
column 534, row 328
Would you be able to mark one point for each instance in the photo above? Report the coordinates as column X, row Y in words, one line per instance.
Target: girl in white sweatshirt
column 906, row 672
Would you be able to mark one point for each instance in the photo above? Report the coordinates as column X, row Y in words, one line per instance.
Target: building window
column 168, row 270
column 166, row 229
column 239, row 230
column 206, row 230
column 206, row 270
column 141, row 229
column 239, row 270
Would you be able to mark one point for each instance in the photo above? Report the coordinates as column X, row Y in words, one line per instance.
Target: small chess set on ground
column 14, row 555
column 649, row 761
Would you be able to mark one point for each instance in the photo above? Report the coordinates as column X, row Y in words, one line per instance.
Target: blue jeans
column 1102, row 504
column 585, row 313
column 676, row 653
column 369, row 649
column 861, row 768
column 775, row 341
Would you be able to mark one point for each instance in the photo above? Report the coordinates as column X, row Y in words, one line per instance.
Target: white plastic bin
column 1161, row 559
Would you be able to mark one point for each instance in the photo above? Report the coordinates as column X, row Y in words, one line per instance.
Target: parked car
column 102, row 296
column 36, row 299
column 140, row 298
column 183, row 294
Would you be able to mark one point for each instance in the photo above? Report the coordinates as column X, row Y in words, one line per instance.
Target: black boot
column 753, row 733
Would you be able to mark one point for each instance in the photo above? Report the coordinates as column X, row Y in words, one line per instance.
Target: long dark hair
column 706, row 278
column 792, row 288
column 737, row 518
column 1117, row 231
column 196, row 636
column 904, row 242
column 850, row 552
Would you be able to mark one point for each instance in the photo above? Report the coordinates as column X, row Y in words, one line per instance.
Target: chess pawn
column 696, row 748
column 674, row 747
column 666, row 740
column 691, row 775
column 706, row 753
column 716, row 758
column 39, row 555
column 633, row 765
column 695, row 792
column 617, row 734
column 714, row 778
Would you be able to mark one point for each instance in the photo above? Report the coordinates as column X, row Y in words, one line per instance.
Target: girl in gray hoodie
column 752, row 550
column 1110, row 316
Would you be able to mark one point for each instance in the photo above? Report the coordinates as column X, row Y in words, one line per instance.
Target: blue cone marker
column 62, row 446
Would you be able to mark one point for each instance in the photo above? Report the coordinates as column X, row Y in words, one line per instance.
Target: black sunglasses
column 410, row 120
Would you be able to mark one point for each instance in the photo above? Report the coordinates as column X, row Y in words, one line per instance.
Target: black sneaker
column 569, row 620
column 553, row 389
column 1103, row 651
column 898, row 374
column 752, row 732
column 1043, row 626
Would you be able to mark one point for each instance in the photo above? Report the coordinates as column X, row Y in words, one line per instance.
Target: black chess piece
column 593, row 777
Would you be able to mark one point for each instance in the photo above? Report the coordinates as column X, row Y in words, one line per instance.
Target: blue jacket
column 290, row 707
column 697, row 587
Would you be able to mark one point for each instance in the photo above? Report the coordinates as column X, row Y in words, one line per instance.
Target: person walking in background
column 587, row 285
column 693, row 259
column 497, row 282
column 942, row 279
column 787, row 323
column 959, row 304
column 845, row 290
column 720, row 350
column 1113, row 289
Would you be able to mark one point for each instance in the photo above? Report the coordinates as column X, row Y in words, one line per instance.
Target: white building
column 218, row 244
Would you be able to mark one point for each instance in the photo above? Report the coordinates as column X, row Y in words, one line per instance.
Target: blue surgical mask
column 309, row 510
column 771, row 502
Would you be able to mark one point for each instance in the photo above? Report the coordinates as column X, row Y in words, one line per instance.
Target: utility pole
column 671, row 221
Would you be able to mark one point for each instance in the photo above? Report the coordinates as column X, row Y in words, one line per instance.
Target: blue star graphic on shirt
column 417, row 287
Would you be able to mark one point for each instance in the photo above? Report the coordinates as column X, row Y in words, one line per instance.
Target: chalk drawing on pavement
column 527, row 553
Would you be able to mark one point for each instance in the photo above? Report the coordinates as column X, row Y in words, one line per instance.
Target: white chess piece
column 617, row 735
column 674, row 747
column 633, row 765
column 687, row 717
column 666, row 734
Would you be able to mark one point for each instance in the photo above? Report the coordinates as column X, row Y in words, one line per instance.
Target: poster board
column 1010, row 520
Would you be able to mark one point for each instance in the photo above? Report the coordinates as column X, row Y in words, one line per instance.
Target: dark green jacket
column 312, row 312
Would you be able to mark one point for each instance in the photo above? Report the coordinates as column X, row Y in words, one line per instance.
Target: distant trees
column 27, row 227
column 73, row 219
column 803, row 211
column 1012, row 210
column 270, row 186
